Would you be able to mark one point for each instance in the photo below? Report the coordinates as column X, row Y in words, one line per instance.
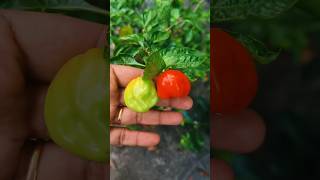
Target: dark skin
column 242, row 132
column 33, row 47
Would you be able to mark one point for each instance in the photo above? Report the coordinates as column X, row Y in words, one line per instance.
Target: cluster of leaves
column 178, row 34
column 284, row 33
column 237, row 13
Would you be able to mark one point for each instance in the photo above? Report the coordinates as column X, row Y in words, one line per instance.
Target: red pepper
column 172, row 84
column 233, row 74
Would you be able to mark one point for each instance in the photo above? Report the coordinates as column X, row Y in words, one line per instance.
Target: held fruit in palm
column 233, row 74
column 76, row 107
column 173, row 84
column 140, row 95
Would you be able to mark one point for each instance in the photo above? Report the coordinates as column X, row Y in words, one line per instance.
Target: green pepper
column 76, row 107
column 140, row 95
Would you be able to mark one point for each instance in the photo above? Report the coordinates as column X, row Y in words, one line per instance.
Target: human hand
column 33, row 47
column 239, row 133
column 120, row 76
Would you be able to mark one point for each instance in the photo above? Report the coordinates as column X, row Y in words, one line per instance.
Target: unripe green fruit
column 140, row 95
column 76, row 107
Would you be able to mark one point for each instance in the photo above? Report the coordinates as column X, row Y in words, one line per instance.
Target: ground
column 167, row 162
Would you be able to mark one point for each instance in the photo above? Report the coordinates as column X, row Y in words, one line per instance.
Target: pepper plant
column 165, row 27
column 165, row 37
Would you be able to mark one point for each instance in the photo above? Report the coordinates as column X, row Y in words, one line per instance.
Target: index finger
column 242, row 132
column 183, row 103
column 125, row 74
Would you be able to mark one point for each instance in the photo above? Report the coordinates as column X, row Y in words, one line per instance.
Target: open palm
column 120, row 76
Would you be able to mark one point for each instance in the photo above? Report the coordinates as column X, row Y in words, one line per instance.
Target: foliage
column 179, row 34
column 286, row 29
column 283, row 33
column 231, row 12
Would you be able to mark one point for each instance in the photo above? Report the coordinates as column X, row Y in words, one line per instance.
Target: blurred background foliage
column 289, row 92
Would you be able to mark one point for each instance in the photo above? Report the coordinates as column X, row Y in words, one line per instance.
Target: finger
column 242, row 133
column 220, row 170
column 125, row 74
column 36, row 100
column 56, row 163
column 150, row 118
column 25, row 153
column 183, row 103
column 57, row 39
column 122, row 136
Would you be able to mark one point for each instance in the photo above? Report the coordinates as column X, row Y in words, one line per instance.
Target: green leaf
column 257, row 49
column 155, row 65
column 192, row 140
column 157, row 36
column 129, row 49
column 133, row 39
column 149, row 18
column 163, row 2
column 189, row 36
column 180, row 57
column 175, row 14
column 156, row 19
column 187, row 60
column 227, row 10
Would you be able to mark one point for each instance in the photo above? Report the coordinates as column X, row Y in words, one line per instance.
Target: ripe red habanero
column 233, row 74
